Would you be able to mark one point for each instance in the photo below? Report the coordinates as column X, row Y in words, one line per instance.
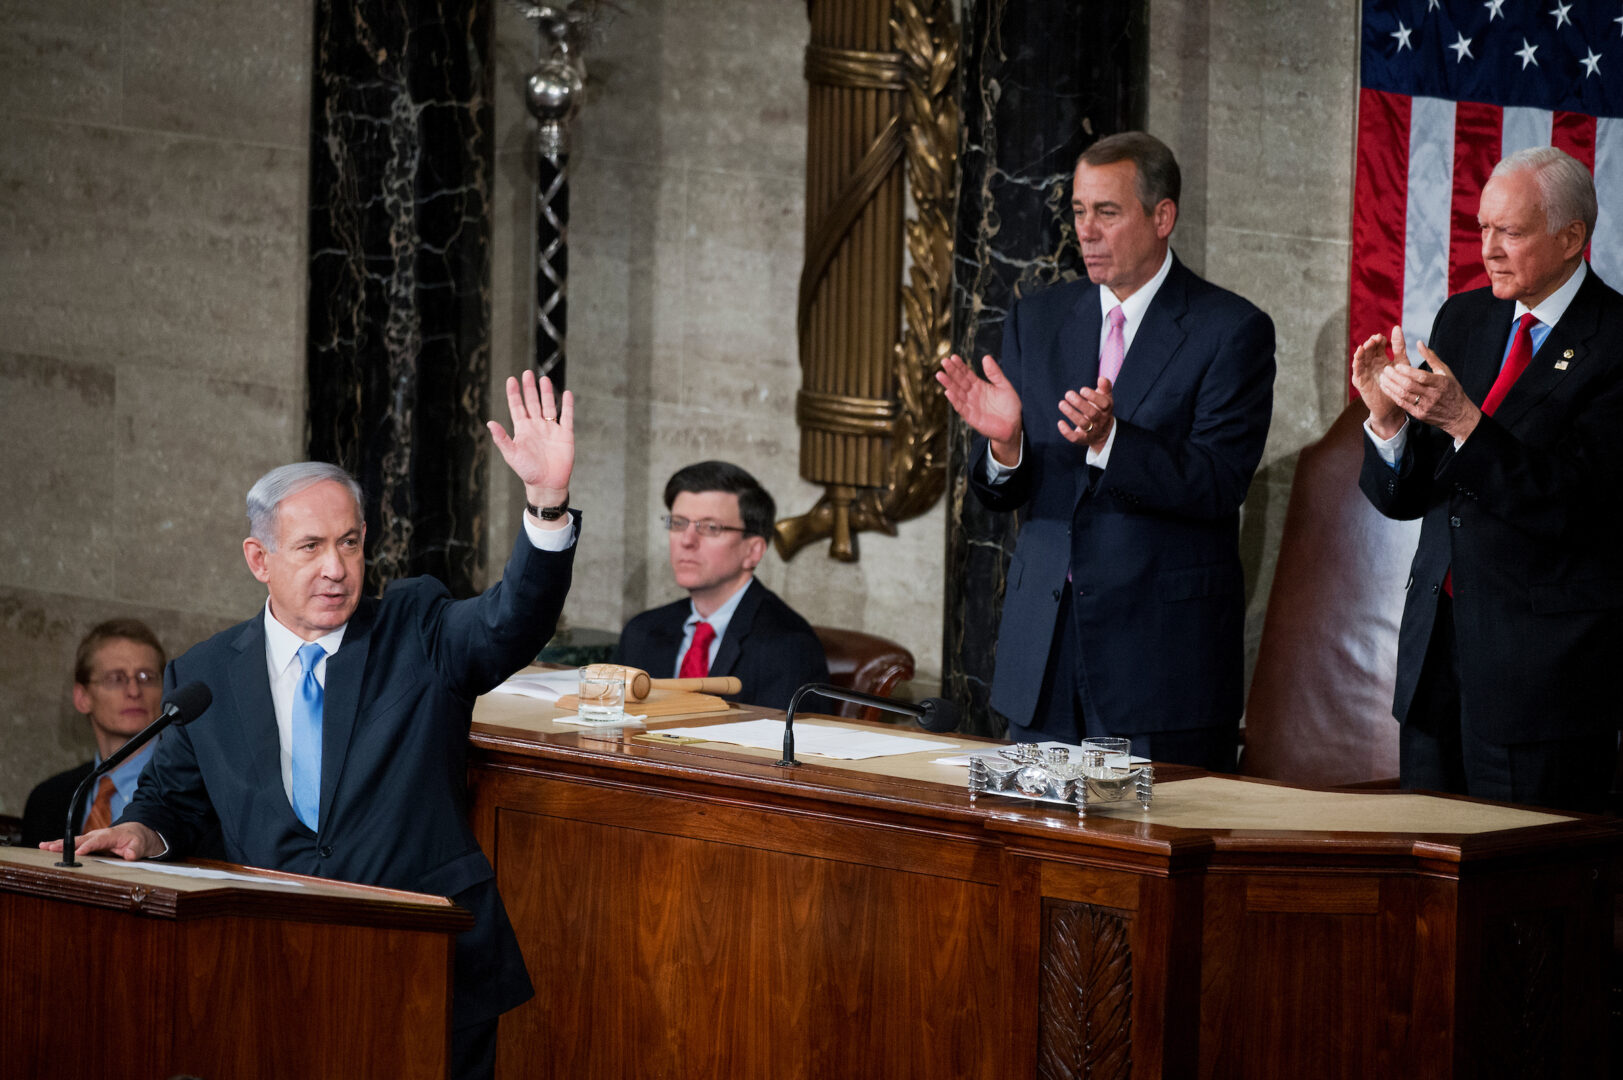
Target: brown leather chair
column 1320, row 708
column 866, row 662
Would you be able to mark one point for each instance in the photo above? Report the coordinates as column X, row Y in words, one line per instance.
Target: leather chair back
column 1320, row 708
column 866, row 662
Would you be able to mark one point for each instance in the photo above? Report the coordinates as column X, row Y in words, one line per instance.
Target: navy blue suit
column 1527, row 513
column 398, row 704
column 1151, row 542
column 771, row 649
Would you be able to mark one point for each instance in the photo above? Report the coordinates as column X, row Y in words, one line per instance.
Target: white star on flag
column 1493, row 7
column 1403, row 34
column 1561, row 16
column 1526, row 54
column 1592, row 62
column 1462, row 48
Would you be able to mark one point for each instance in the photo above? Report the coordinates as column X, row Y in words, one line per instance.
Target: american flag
column 1447, row 88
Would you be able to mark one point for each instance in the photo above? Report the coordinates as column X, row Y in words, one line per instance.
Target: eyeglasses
column 120, row 680
column 705, row 528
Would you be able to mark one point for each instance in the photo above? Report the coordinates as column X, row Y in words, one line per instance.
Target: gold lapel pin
column 1561, row 364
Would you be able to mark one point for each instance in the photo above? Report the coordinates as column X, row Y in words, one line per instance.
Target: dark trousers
column 1064, row 712
column 473, row 1051
column 1439, row 751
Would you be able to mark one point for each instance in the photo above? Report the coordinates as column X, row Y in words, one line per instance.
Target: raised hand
column 1433, row 397
column 541, row 450
column 1090, row 411
column 991, row 405
column 1370, row 359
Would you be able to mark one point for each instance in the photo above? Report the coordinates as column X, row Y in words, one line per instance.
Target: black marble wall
column 1042, row 79
column 401, row 154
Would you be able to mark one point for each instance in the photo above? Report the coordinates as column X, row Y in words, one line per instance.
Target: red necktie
column 1516, row 361
column 696, row 664
column 101, row 811
column 1521, row 354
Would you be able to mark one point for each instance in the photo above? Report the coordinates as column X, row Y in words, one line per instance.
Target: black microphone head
column 188, row 702
column 939, row 715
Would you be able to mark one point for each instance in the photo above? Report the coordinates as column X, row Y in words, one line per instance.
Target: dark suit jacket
column 1528, row 512
column 47, row 806
column 771, row 649
column 398, row 704
column 1152, row 541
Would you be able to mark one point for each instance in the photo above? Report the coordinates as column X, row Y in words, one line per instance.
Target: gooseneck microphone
column 181, row 706
column 933, row 714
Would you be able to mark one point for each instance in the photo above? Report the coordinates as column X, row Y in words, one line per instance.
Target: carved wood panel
column 1085, row 993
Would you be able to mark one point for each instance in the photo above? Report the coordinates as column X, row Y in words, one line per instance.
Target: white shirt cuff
column 996, row 472
column 1391, row 450
column 550, row 539
column 1102, row 457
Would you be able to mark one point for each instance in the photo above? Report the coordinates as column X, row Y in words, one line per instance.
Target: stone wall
column 153, row 161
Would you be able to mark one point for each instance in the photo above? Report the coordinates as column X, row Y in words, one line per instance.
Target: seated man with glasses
column 118, row 684
column 729, row 624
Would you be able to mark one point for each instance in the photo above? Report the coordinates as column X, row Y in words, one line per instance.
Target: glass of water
column 1117, row 753
column 602, row 697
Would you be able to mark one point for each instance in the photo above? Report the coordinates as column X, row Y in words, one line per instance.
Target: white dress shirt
column 1132, row 310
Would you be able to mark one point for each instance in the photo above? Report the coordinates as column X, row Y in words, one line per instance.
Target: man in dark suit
column 1124, row 424
column 730, row 624
column 117, row 673
column 336, row 742
column 1513, row 624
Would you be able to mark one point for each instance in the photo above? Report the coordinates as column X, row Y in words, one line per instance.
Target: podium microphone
column 933, row 714
column 182, row 706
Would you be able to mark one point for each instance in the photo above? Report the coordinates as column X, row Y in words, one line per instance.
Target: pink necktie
column 1110, row 356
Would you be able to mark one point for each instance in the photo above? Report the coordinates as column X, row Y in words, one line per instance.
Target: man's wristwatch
column 549, row 513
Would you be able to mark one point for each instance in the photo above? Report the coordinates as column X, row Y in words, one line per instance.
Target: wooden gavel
column 638, row 683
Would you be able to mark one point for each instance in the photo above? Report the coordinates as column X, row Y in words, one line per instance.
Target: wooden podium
column 692, row 910
column 125, row 970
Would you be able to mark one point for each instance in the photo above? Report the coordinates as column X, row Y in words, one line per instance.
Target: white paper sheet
column 836, row 742
column 546, row 685
column 149, row 867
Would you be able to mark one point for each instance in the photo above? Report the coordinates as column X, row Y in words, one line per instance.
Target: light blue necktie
column 307, row 739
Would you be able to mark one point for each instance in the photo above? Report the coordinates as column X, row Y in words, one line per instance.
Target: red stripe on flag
column 1380, row 205
column 1575, row 133
column 1477, row 137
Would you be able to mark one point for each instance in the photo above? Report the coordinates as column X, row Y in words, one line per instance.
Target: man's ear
column 255, row 553
column 81, row 698
column 1166, row 216
column 755, row 551
column 1572, row 240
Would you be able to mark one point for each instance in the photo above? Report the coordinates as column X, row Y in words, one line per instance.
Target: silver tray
column 1070, row 776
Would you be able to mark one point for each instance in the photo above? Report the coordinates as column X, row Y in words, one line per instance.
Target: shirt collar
column 282, row 645
column 1555, row 305
column 719, row 618
column 1134, row 306
column 126, row 775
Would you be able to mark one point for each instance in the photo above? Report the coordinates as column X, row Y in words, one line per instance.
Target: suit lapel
column 1157, row 341
column 731, row 648
column 665, row 638
column 1081, row 331
column 341, row 698
column 1479, row 367
column 1569, row 336
column 249, row 679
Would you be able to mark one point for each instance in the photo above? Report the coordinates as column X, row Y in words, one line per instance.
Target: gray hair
column 1565, row 188
column 1158, row 174
column 265, row 498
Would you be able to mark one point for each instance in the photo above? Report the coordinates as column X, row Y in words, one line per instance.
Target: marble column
column 398, row 354
column 1042, row 79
